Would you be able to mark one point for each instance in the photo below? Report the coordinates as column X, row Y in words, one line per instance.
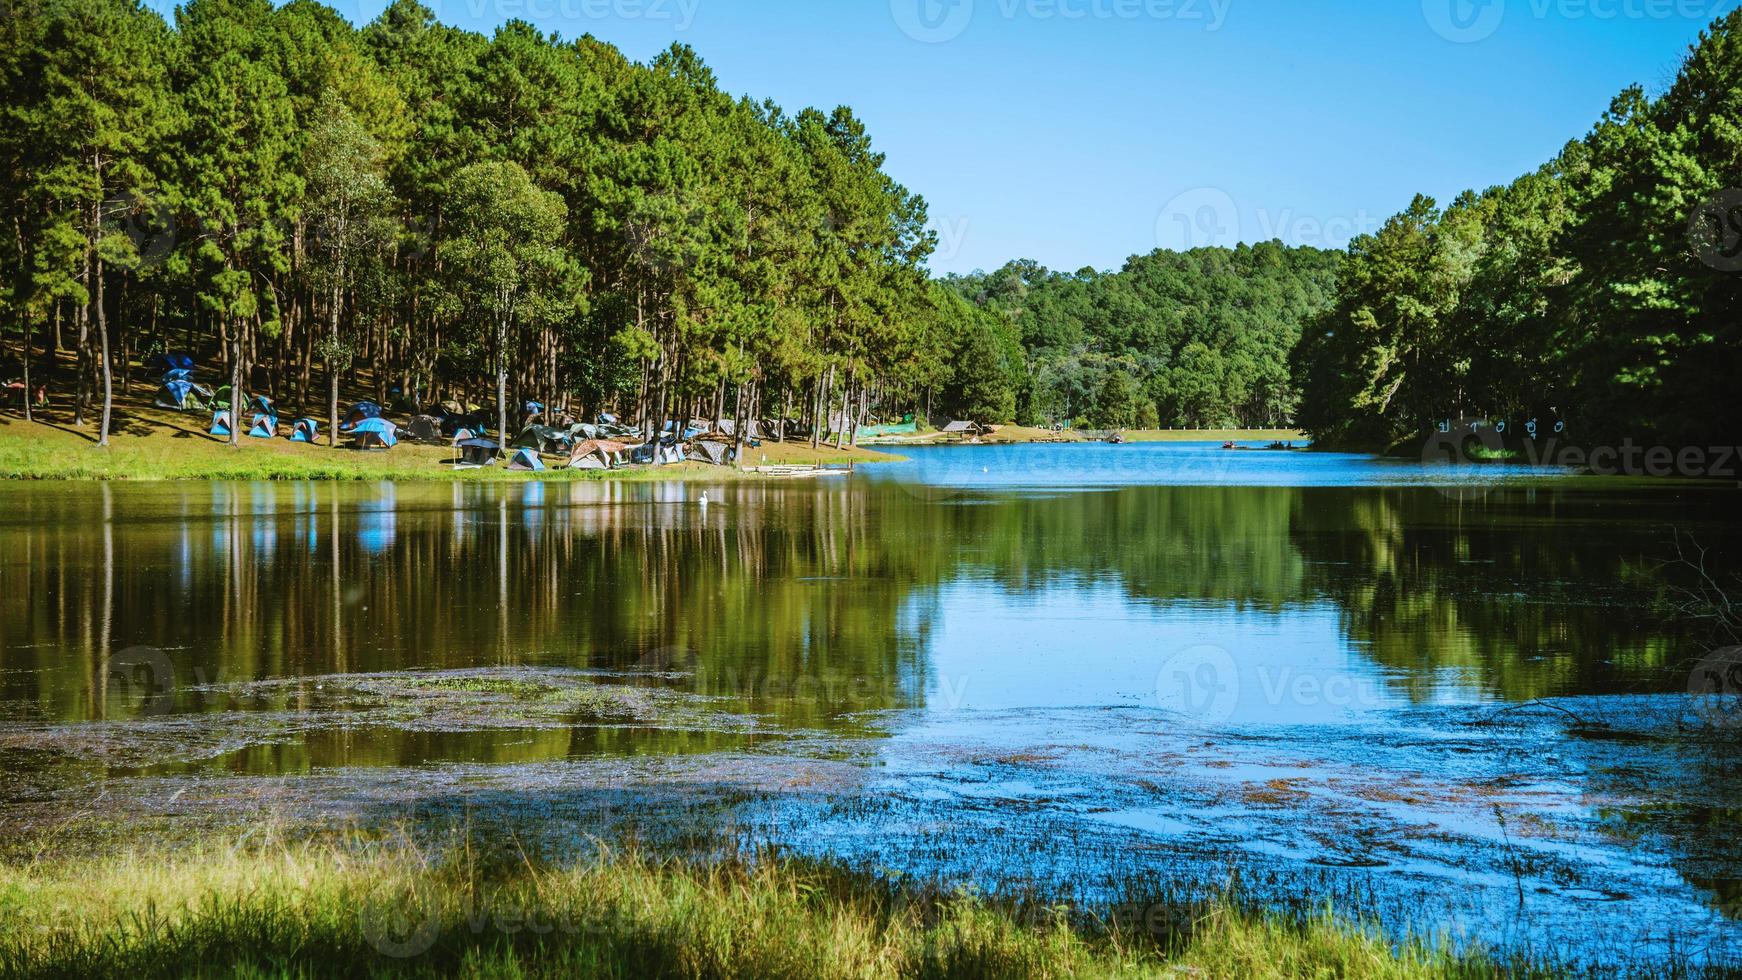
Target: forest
column 1199, row 339
column 1600, row 293
column 428, row 214
column 433, row 214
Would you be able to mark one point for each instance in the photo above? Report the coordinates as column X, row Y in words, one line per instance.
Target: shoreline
column 159, row 446
column 145, row 449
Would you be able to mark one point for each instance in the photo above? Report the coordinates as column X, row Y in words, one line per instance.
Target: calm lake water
column 1445, row 696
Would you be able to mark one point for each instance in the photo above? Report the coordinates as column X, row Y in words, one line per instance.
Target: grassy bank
column 153, row 444
column 355, row 909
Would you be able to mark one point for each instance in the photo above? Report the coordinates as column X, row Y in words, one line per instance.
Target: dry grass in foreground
column 370, row 909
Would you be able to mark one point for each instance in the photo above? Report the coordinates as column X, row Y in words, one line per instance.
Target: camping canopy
column 478, row 452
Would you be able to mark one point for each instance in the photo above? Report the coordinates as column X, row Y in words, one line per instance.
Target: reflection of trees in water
column 783, row 598
column 807, row 600
column 1528, row 593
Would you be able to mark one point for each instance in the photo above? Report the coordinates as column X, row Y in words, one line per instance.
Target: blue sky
column 1081, row 132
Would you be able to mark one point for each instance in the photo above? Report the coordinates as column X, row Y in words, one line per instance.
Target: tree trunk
column 108, row 369
column 236, row 385
column 502, row 384
column 333, row 367
column 841, row 429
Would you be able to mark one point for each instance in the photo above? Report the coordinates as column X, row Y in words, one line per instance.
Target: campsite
column 860, row 490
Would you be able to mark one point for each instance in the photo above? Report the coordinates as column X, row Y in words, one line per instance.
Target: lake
column 1433, row 695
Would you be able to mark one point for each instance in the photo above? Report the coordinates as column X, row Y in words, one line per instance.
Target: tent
column 425, row 429
column 961, row 429
column 690, row 431
column 265, row 427
column 305, row 430
column 181, row 394
column 221, row 399
column 526, row 460
column 170, row 362
column 359, row 413
column 544, row 439
column 453, row 423
column 374, row 433
column 708, row 451
column 477, row 452
column 596, row 454
column 220, row 422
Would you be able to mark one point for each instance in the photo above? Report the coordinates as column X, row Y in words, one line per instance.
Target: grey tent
column 426, row 429
column 544, row 439
column 707, row 451
column 590, row 461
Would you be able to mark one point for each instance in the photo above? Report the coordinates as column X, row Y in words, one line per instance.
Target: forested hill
column 1193, row 339
column 1604, row 290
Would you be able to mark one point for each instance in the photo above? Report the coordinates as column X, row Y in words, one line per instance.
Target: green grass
column 360, row 908
column 153, row 444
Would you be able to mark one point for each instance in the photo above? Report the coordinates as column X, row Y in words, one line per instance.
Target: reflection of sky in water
column 376, row 520
column 1070, row 645
column 1176, row 464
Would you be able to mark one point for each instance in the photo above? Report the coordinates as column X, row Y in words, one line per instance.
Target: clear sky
column 1081, row 132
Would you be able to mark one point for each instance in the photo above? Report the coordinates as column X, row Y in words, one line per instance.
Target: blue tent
column 171, row 362
column 265, row 426
column 178, row 374
column 359, row 413
column 374, row 433
column 221, row 422
column 305, row 430
column 526, row 460
column 181, row 395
